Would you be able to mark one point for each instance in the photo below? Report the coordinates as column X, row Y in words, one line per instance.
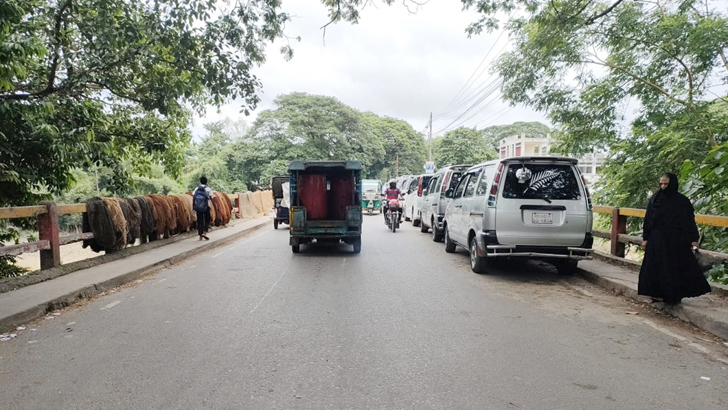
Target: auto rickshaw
column 371, row 195
column 325, row 203
column 280, row 204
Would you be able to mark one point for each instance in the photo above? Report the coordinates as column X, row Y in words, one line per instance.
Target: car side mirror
column 448, row 193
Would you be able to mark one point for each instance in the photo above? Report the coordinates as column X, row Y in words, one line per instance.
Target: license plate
column 542, row 218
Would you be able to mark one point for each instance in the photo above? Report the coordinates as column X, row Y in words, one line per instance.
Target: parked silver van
column 413, row 197
column 434, row 203
column 535, row 207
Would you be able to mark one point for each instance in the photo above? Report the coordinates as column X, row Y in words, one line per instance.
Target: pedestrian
column 201, row 203
column 669, row 270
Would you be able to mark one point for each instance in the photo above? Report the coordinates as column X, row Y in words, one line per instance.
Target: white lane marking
column 250, row 239
column 578, row 289
column 269, row 291
column 160, row 281
column 699, row 347
column 665, row 331
column 218, row 254
column 110, row 305
column 694, row 345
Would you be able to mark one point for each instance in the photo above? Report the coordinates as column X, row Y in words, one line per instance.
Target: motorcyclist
column 389, row 194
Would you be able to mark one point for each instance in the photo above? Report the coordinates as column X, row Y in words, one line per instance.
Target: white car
column 533, row 207
column 412, row 197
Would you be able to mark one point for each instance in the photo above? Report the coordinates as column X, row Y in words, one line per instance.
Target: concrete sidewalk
column 25, row 304
column 708, row 312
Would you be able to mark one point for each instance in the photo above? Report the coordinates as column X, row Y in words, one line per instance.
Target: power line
column 475, row 71
column 487, row 94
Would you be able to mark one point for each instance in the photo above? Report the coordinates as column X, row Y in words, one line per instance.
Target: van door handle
column 458, row 206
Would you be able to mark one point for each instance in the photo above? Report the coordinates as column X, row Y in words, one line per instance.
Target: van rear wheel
column 449, row 245
column 436, row 233
column 477, row 263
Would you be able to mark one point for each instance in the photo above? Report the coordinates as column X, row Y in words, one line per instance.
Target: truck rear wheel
column 296, row 248
column 357, row 245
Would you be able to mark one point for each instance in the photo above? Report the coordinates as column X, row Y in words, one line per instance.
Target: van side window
column 431, row 187
column 488, row 172
column 413, row 185
column 461, row 187
column 470, row 188
column 454, row 179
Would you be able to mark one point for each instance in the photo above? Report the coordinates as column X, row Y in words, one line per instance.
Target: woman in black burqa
column 669, row 269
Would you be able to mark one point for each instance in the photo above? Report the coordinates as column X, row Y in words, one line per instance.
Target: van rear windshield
column 537, row 181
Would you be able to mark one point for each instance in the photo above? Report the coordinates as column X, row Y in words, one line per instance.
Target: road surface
column 403, row 325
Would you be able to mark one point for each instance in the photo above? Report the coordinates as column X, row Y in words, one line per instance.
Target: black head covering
column 668, row 192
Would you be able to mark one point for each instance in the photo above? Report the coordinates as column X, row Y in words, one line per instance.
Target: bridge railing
column 618, row 237
column 49, row 238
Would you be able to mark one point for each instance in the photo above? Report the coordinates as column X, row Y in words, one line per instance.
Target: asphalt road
column 403, row 325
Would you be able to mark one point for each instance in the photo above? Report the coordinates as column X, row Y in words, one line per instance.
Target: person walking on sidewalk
column 201, row 198
column 669, row 269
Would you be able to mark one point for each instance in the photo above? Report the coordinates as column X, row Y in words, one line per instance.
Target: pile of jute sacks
column 118, row 222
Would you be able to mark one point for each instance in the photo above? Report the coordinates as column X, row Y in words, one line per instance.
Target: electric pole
column 429, row 140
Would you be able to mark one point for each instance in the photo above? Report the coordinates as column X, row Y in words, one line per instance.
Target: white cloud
column 392, row 63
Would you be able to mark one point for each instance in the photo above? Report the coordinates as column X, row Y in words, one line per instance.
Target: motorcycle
column 393, row 215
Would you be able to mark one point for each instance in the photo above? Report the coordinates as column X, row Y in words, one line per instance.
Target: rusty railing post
column 48, row 230
column 619, row 226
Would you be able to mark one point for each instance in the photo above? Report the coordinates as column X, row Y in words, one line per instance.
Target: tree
column 496, row 133
column 302, row 126
column 97, row 82
column 395, row 146
column 584, row 63
column 462, row 146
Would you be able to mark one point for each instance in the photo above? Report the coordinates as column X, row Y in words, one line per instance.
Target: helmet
column 392, row 184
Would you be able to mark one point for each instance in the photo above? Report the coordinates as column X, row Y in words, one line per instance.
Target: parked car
column 403, row 181
column 535, row 207
column 409, row 192
column 413, row 197
column 434, row 202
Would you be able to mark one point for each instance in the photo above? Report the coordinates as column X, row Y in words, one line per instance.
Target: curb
column 687, row 313
column 92, row 290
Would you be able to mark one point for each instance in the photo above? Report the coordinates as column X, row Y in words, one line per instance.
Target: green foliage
column 396, row 147
column 586, row 64
column 496, row 133
column 462, row 146
column 304, row 126
column 98, row 82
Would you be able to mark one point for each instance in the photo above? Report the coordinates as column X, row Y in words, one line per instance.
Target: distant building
column 540, row 145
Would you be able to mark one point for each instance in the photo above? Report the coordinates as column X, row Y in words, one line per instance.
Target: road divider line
column 110, row 305
column 269, row 291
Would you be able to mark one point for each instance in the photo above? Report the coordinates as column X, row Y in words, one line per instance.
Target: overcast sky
column 392, row 63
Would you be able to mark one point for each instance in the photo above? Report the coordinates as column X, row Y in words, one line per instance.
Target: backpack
column 199, row 200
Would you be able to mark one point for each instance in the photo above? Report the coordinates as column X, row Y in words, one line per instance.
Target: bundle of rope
column 118, row 219
column 134, row 219
column 97, row 220
column 146, row 223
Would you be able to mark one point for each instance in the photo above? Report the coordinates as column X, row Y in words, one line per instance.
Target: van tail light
column 445, row 182
column 493, row 196
column 586, row 189
column 419, row 187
